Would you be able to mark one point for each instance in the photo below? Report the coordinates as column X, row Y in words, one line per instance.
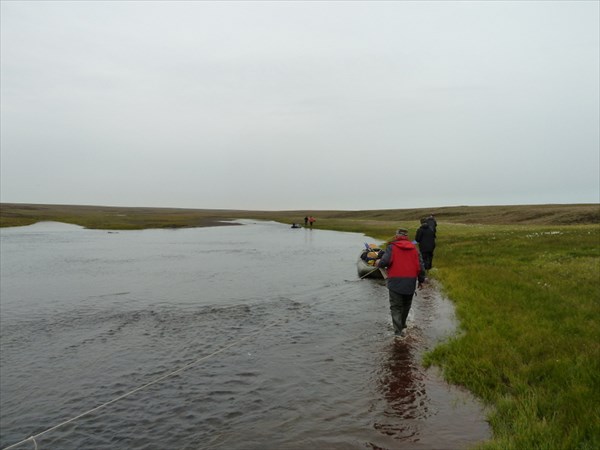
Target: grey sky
column 300, row 105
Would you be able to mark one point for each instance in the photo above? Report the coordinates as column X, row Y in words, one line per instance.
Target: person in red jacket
column 404, row 269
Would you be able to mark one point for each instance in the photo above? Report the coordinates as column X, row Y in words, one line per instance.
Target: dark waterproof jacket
column 426, row 238
column 404, row 266
column 432, row 224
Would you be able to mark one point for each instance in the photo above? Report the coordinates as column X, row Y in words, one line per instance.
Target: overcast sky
column 300, row 105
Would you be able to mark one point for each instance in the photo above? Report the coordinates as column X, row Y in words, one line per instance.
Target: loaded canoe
column 366, row 270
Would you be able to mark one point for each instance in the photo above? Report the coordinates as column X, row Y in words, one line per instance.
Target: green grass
column 526, row 284
column 528, row 302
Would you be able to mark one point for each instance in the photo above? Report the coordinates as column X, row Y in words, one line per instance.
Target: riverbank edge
column 433, row 371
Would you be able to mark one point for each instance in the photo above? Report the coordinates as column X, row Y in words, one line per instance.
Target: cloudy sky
column 300, row 105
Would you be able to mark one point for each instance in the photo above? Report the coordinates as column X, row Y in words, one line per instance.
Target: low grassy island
column 526, row 284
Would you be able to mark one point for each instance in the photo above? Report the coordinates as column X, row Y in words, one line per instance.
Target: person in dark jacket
column 432, row 223
column 404, row 268
column 426, row 238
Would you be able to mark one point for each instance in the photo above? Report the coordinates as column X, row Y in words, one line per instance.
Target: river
column 253, row 336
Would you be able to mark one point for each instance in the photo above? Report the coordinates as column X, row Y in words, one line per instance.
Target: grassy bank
column 528, row 301
column 109, row 217
column 526, row 285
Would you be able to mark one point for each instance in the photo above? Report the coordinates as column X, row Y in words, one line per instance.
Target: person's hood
column 403, row 244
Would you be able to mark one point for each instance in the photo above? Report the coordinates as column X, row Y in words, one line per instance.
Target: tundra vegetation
column 526, row 284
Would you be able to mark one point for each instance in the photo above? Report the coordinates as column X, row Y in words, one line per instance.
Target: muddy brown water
column 280, row 345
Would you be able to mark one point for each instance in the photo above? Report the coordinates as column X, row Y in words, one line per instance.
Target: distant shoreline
column 200, row 224
column 133, row 218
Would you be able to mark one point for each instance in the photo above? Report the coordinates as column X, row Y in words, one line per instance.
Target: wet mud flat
column 296, row 354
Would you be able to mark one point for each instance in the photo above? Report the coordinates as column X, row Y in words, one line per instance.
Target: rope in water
column 120, row 397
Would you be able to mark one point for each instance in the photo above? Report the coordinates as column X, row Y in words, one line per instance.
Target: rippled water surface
column 276, row 344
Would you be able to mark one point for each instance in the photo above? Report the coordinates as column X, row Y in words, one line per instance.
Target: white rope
column 163, row 377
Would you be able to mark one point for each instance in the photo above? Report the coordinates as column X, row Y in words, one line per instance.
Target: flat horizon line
column 301, row 209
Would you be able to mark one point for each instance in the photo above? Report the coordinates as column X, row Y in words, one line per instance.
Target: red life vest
column 405, row 260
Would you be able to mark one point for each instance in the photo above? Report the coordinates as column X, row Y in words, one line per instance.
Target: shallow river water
column 256, row 336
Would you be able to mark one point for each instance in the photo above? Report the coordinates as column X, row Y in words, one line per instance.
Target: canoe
column 366, row 270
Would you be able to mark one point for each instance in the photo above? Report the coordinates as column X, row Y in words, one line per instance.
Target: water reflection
column 402, row 386
column 417, row 409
